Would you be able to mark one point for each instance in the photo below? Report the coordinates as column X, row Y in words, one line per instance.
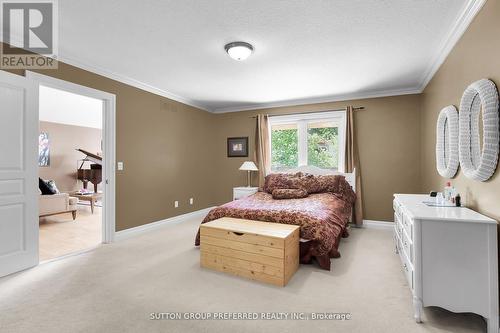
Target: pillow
column 323, row 183
column 281, row 180
column 344, row 190
column 52, row 185
column 311, row 184
column 45, row 188
column 329, row 183
column 289, row 193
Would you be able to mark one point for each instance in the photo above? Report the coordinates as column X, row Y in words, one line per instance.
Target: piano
column 92, row 174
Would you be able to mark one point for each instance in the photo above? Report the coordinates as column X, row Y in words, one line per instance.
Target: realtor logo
column 29, row 34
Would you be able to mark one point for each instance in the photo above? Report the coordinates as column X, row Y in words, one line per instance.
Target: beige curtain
column 352, row 162
column 262, row 153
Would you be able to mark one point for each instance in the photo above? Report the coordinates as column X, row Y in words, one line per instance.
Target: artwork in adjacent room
column 43, row 150
column 237, row 147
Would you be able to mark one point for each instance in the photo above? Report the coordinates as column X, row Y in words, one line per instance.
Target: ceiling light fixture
column 239, row 50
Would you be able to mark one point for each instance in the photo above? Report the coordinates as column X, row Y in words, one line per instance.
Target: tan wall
column 64, row 140
column 166, row 148
column 387, row 133
column 476, row 56
column 173, row 152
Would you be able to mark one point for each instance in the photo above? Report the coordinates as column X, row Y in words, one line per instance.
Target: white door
column 18, row 173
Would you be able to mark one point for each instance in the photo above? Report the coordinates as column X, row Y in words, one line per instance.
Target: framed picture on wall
column 237, row 147
column 43, row 150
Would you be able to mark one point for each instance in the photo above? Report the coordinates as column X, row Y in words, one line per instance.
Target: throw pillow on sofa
column 47, row 187
column 52, row 185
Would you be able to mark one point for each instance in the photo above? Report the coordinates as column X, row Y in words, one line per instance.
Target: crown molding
column 131, row 82
column 124, row 79
column 317, row 100
column 464, row 19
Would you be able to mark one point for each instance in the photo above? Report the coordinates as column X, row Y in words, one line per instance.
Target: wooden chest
column 262, row 251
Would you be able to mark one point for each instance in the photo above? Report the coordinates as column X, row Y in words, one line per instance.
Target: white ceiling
column 62, row 107
column 305, row 50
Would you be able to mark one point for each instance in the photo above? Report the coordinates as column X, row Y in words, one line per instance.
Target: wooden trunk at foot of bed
column 262, row 251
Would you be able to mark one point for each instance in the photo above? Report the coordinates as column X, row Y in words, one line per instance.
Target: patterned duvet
column 322, row 218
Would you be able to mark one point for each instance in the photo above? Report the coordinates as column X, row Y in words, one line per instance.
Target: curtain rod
column 294, row 113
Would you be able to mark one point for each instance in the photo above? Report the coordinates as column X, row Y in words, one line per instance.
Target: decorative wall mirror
column 447, row 142
column 479, row 102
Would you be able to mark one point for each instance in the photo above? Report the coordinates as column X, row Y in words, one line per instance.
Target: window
column 316, row 139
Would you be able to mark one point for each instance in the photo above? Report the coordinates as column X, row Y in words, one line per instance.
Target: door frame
column 109, row 143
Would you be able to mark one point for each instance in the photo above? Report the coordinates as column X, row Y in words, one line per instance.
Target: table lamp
column 249, row 166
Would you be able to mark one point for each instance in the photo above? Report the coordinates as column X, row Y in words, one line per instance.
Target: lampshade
column 248, row 166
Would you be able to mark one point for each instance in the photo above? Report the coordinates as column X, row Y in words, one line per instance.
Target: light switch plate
column 191, row 201
column 120, row 166
column 176, row 203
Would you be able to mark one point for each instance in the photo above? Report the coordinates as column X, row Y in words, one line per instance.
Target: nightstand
column 241, row 192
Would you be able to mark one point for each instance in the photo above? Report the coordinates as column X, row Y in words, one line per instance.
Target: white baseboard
column 128, row 233
column 372, row 224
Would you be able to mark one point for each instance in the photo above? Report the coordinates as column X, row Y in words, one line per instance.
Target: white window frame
column 302, row 119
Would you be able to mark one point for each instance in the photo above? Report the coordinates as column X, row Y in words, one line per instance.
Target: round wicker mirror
column 476, row 162
column 447, row 142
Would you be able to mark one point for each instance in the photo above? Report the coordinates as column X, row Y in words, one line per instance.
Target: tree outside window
column 317, row 140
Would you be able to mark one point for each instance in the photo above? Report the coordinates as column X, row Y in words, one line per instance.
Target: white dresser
column 449, row 256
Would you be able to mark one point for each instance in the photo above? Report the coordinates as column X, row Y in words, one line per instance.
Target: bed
column 323, row 217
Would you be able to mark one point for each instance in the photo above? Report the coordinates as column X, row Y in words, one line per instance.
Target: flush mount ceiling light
column 239, row 50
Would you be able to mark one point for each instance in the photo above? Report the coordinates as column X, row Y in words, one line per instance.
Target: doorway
column 70, row 162
column 76, row 158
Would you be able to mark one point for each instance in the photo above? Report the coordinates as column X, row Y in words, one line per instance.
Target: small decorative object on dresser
column 262, row 251
column 249, row 166
column 241, row 192
column 449, row 256
column 237, row 147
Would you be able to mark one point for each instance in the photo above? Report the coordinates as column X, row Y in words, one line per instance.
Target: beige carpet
column 115, row 288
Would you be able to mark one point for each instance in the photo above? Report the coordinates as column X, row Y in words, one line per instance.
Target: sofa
column 60, row 203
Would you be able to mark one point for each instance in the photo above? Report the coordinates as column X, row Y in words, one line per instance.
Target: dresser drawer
column 397, row 208
column 397, row 219
column 403, row 248
column 396, row 236
column 407, row 223
column 397, row 239
column 408, row 270
column 399, row 229
column 407, row 245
